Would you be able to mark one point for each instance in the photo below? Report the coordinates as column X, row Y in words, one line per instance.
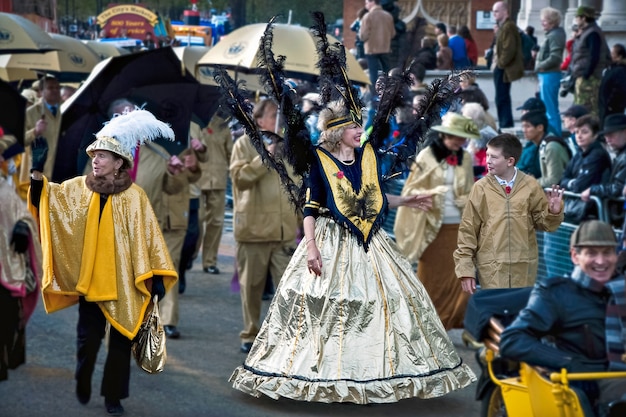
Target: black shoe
column 212, row 270
column 245, row 347
column 83, row 394
column 181, row 287
column 267, row 296
column 114, row 407
column 171, row 332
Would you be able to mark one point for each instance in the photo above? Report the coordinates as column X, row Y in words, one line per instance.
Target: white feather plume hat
column 125, row 132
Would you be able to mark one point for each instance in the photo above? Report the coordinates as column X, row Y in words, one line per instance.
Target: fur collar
column 101, row 185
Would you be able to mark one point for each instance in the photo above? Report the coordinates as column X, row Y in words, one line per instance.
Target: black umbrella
column 155, row 78
column 12, row 117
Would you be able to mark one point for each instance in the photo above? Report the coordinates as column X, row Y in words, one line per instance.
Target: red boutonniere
column 209, row 130
column 507, row 190
column 1, row 131
column 452, row 160
column 395, row 134
column 339, row 174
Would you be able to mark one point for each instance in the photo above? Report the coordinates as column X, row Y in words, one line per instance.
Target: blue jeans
column 503, row 99
column 549, row 94
column 375, row 63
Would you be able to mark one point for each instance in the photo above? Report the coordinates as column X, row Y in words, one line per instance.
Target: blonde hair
column 551, row 14
column 443, row 39
column 475, row 112
column 331, row 138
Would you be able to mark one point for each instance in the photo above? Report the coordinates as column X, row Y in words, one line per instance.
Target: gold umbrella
column 14, row 74
column 73, row 58
column 239, row 49
column 190, row 55
column 20, row 35
column 105, row 50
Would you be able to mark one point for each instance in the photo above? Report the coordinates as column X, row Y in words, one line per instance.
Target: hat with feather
column 125, row 132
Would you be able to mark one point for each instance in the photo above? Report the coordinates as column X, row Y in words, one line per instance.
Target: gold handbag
column 148, row 347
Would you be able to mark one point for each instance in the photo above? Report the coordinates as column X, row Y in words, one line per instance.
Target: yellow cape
column 104, row 257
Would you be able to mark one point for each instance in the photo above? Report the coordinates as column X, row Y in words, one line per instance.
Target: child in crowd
column 497, row 241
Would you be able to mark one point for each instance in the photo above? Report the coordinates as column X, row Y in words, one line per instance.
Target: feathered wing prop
column 439, row 95
column 392, row 98
column 333, row 80
column 241, row 108
column 135, row 128
column 298, row 148
column 272, row 76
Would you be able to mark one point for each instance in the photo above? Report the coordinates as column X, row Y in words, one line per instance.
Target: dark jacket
column 612, row 97
column 615, row 185
column 509, row 55
column 590, row 54
column 574, row 318
column 613, row 188
column 427, row 57
column 587, row 168
column 584, row 170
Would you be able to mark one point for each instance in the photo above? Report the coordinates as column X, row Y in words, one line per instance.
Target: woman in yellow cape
column 103, row 248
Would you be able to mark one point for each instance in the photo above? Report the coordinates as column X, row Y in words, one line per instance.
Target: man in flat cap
column 590, row 56
column 583, row 312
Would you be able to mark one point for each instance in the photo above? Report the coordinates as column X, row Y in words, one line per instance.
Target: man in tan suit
column 217, row 138
column 265, row 223
column 43, row 119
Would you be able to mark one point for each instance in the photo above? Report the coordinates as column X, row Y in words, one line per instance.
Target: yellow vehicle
column 516, row 389
column 192, row 35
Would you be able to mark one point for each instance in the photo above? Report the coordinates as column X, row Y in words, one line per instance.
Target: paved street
column 195, row 380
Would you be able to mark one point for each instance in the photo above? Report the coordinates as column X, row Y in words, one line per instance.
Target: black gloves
column 19, row 239
column 158, row 288
column 39, row 149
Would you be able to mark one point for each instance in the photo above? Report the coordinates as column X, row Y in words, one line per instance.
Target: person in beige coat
column 176, row 209
column 265, row 223
column 217, row 138
column 443, row 169
column 43, row 119
column 497, row 241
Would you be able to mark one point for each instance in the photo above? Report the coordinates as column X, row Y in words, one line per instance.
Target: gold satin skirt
column 365, row 331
